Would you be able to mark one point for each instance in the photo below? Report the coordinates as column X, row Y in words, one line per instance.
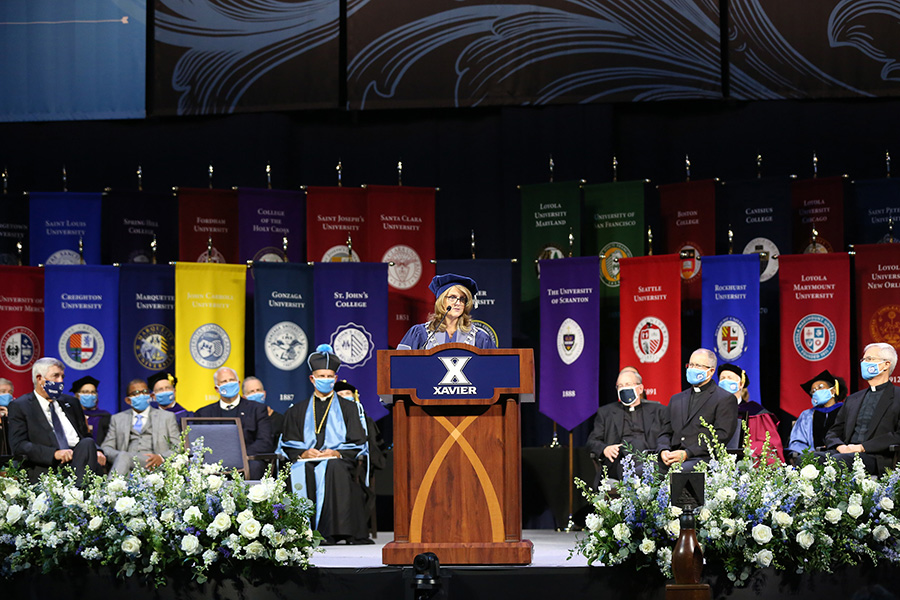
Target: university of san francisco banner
column 209, row 327
column 351, row 308
column 815, row 322
column 613, row 227
column 81, row 325
column 731, row 313
column 60, row 222
column 21, row 324
column 818, row 203
column 205, row 215
column 283, row 316
column 877, row 214
column 13, row 230
column 877, row 268
column 134, row 221
column 689, row 212
column 334, row 215
column 494, row 301
column 650, row 331
column 570, row 339
column 268, row 218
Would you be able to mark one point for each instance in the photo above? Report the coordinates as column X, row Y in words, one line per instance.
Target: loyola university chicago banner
column 61, row 222
column 877, row 269
column 21, row 324
column 334, row 215
column 689, row 213
column 818, row 203
column 204, row 216
column 493, row 303
column 613, row 227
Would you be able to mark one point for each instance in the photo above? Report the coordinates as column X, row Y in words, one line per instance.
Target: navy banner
column 61, row 222
column 877, row 211
column 14, row 231
column 494, row 301
column 140, row 227
column 81, row 325
column 271, row 220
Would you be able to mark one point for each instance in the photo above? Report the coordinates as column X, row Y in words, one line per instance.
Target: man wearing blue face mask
column 7, row 393
column 85, row 389
column 162, row 388
column 255, row 392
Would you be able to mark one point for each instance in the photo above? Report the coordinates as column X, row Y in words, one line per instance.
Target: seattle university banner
column 59, row 223
column 818, row 203
column 268, row 218
column 877, row 268
column 334, row 214
column 204, row 215
column 689, row 213
column 493, row 303
column 877, row 211
column 613, row 227
column 650, row 334
column 815, row 322
column 570, row 339
column 21, row 324
column 133, row 221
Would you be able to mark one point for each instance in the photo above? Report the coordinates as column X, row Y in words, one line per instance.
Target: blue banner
column 283, row 318
column 61, row 222
column 877, row 211
column 81, row 325
column 493, row 303
column 351, row 314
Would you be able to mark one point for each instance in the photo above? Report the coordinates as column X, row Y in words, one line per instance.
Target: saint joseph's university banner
column 21, row 323
column 334, row 215
column 877, row 269
column 493, row 302
column 59, row 223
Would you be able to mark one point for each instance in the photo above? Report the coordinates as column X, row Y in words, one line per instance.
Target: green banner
column 613, row 227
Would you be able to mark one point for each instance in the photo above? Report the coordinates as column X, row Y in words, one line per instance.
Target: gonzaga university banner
column 494, row 300
column 334, row 214
column 613, row 227
column 877, row 268
column 61, row 222
column 689, row 213
column 205, row 215
column 21, row 324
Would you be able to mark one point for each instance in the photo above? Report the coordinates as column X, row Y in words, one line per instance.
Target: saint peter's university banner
column 61, row 221
column 268, row 218
column 209, row 327
column 334, row 214
column 815, row 322
column 14, row 231
column 81, row 325
column 570, row 339
column 613, row 227
column 134, row 221
column 877, row 214
column 494, row 301
column 818, row 203
column 877, row 268
column 205, row 215
column 689, row 212
column 21, row 324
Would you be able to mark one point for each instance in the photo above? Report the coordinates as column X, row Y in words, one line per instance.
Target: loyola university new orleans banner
column 334, row 214
column 818, row 203
column 209, row 327
column 81, row 325
column 493, row 303
column 268, row 218
column 613, row 227
column 204, row 216
column 878, row 296
column 59, row 223
column 815, row 322
column 133, row 221
column 650, row 334
column 689, row 213
column 21, row 324
column 570, row 339
column 877, row 213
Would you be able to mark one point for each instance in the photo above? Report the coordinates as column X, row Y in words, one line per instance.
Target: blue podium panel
column 455, row 374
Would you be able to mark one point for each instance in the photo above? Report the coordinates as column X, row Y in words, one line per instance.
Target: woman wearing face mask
column 85, row 389
column 827, row 394
column 760, row 422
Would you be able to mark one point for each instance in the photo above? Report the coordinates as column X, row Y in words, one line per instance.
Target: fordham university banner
column 209, row 327
column 570, row 339
column 21, row 324
column 268, row 218
column 204, row 215
column 650, row 330
column 351, row 308
column 133, row 221
column 877, row 214
column 61, row 221
column 81, row 325
column 14, row 230
column 818, row 203
column 689, row 213
column 613, row 227
column 877, row 268
column 494, row 301
column 334, row 214
column 815, row 322
column 283, row 321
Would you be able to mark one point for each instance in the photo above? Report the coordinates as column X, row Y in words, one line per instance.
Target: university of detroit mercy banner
column 21, row 324
column 334, row 216
column 877, row 268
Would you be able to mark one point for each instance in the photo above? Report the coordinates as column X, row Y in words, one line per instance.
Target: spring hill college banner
column 332, row 215
column 877, row 269
column 613, row 227
column 204, row 215
column 689, row 213
column 21, row 324
column 59, row 222
column 132, row 221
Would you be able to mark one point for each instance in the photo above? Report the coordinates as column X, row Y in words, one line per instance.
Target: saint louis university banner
column 205, row 214
column 689, row 213
column 21, row 323
column 877, row 214
column 58, row 222
column 818, row 203
column 332, row 215
column 132, row 221
column 877, row 268
column 493, row 303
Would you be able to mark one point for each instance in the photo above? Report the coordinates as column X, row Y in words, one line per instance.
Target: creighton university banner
column 134, row 221
column 613, row 227
column 209, row 327
column 59, row 223
column 493, row 303
column 570, row 339
column 877, row 268
column 205, row 215
column 81, row 325
column 689, row 213
column 21, row 324
column 268, row 218
column 334, row 214
column 877, row 214
column 818, row 203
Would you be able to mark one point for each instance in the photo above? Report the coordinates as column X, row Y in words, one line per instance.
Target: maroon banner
column 815, row 322
column 650, row 334
column 818, row 203
column 205, row 214
column 689, row 212
column 877, row 269
column 21, row 324
column 334, row 214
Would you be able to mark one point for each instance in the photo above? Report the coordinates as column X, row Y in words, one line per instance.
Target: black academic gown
column 609, row 429
column 683, row 429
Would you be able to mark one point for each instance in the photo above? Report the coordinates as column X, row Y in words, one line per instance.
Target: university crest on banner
column 81, row 346
column 731, row 338
column 814, row 337
column 609, row 262
column 690, row 261
column 353, row 345
column 569, row 341
column 20, row 348
column 286, row 345
column 210, row 346
column 651, row 340
column 885, row 325
column 154, row 347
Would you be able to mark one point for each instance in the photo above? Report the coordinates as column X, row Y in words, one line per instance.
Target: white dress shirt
column 68, row 429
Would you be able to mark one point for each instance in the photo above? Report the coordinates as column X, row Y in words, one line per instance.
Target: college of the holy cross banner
column 63, row 227
column 613, row 226
column 689, row 213
column 815, row 322
column 81, row 325
column 877, row 213
column 208, row 217
column 14, row 231
column 494, row 300
column 335, row 215
column 877, row 275
column 209, row 327
column 269, row 221
column 21, row 324
column 140, row 227
column 650, row 324
column 570, row 339
column 818, row 203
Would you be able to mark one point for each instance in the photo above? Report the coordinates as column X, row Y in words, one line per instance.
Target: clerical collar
column 878, row 388
column 697, row 390
column 323, row 399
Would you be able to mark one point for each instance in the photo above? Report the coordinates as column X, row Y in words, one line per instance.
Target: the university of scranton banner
column 268, row 219
column 351, row 308
column 146, row 321
column 818, row 203
column 877, row 213
column 21, row 324
column 81, row 325
column 205, row 215
column 283, row 317
column 334, row 215
column 137, row 223
column 401, row 231
column 494, row 301
column 13, row 230
column 613, row 226
column 570, row 339
column 61, row 222
column 815, row 322
column 650, row 330
column 209, row 327
column 689, row 212
column 731, row 313
column 877, row 268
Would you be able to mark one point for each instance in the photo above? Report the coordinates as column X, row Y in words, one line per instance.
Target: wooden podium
column 457, row 452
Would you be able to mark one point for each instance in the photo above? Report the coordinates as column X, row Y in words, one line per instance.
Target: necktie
column 137, row 423
column 58, row 430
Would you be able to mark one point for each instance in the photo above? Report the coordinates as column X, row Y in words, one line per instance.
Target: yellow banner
column 209, row 327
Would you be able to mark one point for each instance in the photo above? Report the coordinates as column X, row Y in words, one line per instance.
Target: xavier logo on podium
column 454, row 381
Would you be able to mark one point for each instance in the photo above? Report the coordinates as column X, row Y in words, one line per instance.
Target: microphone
column 446, row 312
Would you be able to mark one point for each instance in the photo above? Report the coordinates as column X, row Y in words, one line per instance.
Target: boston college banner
column 334, row 214
column 689, row 213
column 21, row 324
column 818, row 203
column 133, row 221
column 59, row 223
column 815, row 322
column 204, row 215
column 877, row 214
column 267, row 219
column 650, row 334
column 613, row 227
column 878, row 296
column 493, row 303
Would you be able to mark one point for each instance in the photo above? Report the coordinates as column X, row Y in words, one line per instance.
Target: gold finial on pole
column 284, row 247
column 349, row 243
column 815, row 165
column 890, row 230
column 759, row 166
column 472, row 244
column 399, row 172
column 80, row 250
column 687, row 167
column 209, row 249
column 269, row 175
column 551, row 168
column 571, row 242
column 153, row 250
column 140, row 176
column 615, row 166
column 19, row 252
column 210, row 175
column 339, row 169
column 649, row 241
column 730, row 239
column 814, row 236
column 65, row 179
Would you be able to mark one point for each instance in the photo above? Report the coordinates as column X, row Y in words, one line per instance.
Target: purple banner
column 267, row 219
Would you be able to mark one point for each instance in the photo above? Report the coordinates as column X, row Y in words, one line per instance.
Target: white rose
column 805, row 539
column 209, row 557
column 117, row 485
column 809, row 472
column 244, row 515
column 167, row 515
column 730, row 526
column 222, row 522
column 48, row 527
column 622, row 532
column 594, row 522
column 880, row 533
column 12, row 491
column 764, row 558
column 833, row 515
column 675, row 511
column 155, row 480
column 131, row 545
column 782, row 518
column 705, row 514
column 73, row 496
column 281, row 555
column 250, row 529
column 190, row 544
column 214, row 482
column 191, row 514
column 259, row 493
column 125, row 505
column 855, row 510
column 886, row 503
column 673, row 527
column 726, row 494
column 648, row 546
column 13, row 513
column 255, row 549
column 95, row 523
column 869, row 485
column 39, row 506
column 762, row 533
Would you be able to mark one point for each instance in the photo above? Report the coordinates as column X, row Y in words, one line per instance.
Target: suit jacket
column 683, row 429
column 255, row 422
column 164, row 433
column 609, row 424
column 30, row 433
column 884, row 428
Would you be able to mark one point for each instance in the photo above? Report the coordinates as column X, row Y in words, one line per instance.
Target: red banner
column 689, row 213
column 334, row 214
column 21, row 324
column 818, row 203
column 205, row 215
column 650, row 334
column 815, row 322
column 877, row 269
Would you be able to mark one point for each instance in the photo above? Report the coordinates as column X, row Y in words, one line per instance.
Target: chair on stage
column 225, row 437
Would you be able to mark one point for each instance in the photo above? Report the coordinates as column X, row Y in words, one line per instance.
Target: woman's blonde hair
column 440, row 303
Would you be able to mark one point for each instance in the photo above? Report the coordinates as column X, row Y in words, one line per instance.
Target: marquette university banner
column 268, row 218
column 334, row 214
column 81, row 325
column 58, row 223
column 570, row 339
column 877, row 268
column 689, row 212
column 613, row 227
column 818, row 203
column 204, row 215
column 133, row 221
column 493, row 303
column 877, row 211
column 21, row 323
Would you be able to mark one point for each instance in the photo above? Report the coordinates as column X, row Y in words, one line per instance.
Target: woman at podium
column 451, row 320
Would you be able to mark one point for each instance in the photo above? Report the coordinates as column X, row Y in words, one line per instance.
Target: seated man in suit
column 48, row 427
column 680, row 440
column 141, row 433
column 255, row 392
column 254, row 418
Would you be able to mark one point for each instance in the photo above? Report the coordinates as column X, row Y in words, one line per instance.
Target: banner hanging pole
column 153, row 250
column 551, row 168
column 472, row 244
column 887, row 164
column 687, row 167
column 140, row 178
column 210, row 175
column 615, row 167
column 815, row 165
column 339, row 169
column 5, row 180
column 399, row 172
column 269, row 175
column 759, row 166
column 65, row 180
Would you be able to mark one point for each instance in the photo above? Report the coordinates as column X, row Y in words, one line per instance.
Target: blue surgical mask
column 165, row 398
column 869, row 370
column 324, row 386
column 5, row 399
column 695, row 376
column 88, row 400
column 53, row 389
column 627, row 396
column 140, row 402
column 729, row 386
column 821, row 397
column 257, row 397
column 230, row 389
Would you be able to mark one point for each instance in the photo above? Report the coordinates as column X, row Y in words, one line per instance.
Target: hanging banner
column 14, row 231
column 139, row 227
column 21, row 324
column 818, row 203
column 613, row 227
column 877, row 268
column 81, row 325
column 209, row 327
column 59, row 224
column 283, row 316
column 204, row 216
column 351, row 308
column 815, row 322
column 689, row 212
column 877, row 213
column 494, row 301
column 650, row 330
column 401, row 228
column 269, row 219
column 335, row 215
column 570, row 340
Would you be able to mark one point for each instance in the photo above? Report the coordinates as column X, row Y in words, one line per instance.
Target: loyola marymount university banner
column 494, row 300
column 877, row 268
column 21, row 324
column 209, row 327
column 81, row 325
column 206, row 216
column 877, row 211
column 818, row 203
column 268, row 220
column 650, row 334
column 334, row 215
column 64, row 227
column 815, row 322
column 689, row 212
column 613, row 227
column 146, row 321
column 570, row 339
column 137, row 223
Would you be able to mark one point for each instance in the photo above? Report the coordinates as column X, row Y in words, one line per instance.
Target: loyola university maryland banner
column 334, row 214
column 613, row 227
column 815, row 322
column 209, row 327
column 21, row 324
column 134, row 221
column 204, row 216
column 818, row 203
column 877, row 214
column 61, row 222
column 650, row 334
column 877, row 268
column 689, row 213
column 493, row 303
